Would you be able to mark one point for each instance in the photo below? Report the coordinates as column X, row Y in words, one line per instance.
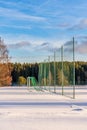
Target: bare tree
column 5, row 72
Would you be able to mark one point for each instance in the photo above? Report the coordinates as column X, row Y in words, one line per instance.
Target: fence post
column 28, row 82
column 73, row 68
column 40, row 75
column 54, row 72
column 49, row 73
column 62, row 71
column 44, row 74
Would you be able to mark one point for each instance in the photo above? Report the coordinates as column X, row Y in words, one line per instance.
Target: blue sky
column 37, row 27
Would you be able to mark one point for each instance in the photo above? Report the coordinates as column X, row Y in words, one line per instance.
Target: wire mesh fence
column 58, row 72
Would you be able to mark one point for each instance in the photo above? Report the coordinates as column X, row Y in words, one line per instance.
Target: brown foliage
column 5, row 71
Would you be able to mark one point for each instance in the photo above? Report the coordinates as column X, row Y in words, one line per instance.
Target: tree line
column 42, row 73
column 63, row 74
column 22, row 71
column 17, row 73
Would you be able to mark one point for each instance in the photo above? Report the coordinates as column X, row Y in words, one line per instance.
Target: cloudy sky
column 38, row 27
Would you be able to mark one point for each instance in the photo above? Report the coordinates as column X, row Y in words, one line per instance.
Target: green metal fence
column 58, row 70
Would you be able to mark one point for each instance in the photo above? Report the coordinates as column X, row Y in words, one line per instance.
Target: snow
column 27, row 109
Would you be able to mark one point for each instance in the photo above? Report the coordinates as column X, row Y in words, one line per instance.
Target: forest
column 42, row 73
column 20, row 72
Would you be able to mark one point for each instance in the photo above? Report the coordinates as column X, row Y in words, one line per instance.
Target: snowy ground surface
column 23, row 109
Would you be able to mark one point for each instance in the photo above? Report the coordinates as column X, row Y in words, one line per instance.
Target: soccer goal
column 32, row 82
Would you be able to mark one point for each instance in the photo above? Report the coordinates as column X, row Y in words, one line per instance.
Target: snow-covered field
column 23, row 109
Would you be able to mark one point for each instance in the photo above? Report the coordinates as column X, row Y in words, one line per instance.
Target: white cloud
column 35, row 46
column 16, row 26
column 7, row 2
column 82, row 24
column 56, row 26
column 82, row 48
column 17, row 15
column 19, row 45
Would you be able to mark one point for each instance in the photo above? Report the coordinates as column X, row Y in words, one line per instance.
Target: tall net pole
column 62, row 71
column 40, row 76
column 28, row 82
column 54, row 71
column 49, row 73
column 73, row 68
column 44, row 74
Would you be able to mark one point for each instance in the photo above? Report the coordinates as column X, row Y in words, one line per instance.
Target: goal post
column 28, row 82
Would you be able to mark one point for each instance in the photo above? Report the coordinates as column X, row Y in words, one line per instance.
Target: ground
column 27, row 109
